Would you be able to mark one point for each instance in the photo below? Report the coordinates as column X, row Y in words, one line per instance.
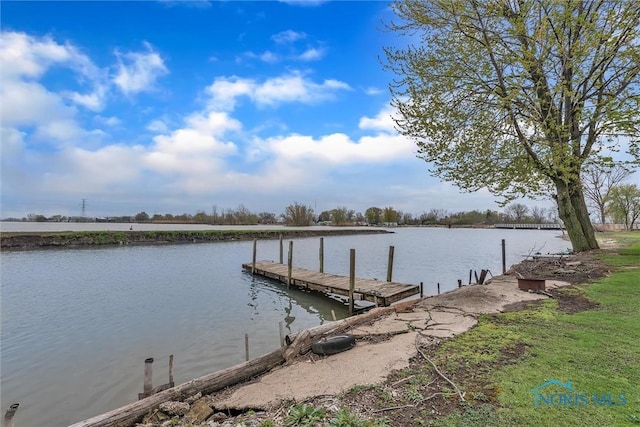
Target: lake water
column 77, row 324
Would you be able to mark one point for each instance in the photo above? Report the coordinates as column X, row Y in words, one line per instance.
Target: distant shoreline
column 26, row 240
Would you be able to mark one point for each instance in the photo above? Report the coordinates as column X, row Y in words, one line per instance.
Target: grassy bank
column 501, row 361
column 33, row 240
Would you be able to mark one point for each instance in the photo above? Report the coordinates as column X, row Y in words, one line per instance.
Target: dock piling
column 390, row 263
column 147, row 388
column 352, row 278
column 459, row 283
column 321, row 255
column 281, row 251
column 504, row 258
column 438, row 288
column 421, row 290
column 246, row 347
column 171, row 383
column 289, row 263
column 8, row 416
column 255, row 250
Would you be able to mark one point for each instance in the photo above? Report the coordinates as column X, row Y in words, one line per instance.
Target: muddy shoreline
column 19, row 241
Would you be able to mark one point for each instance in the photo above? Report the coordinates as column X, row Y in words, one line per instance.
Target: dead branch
column 436, row 368
column 392, row 408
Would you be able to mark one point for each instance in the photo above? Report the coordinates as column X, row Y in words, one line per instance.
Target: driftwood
column 303, row 340
column 127, row 415
column 297, row 346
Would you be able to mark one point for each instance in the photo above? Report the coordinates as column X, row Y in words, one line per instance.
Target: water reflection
column 314, row 303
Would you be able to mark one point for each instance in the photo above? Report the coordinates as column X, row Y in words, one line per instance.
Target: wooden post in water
column 255, row 250
column 246, row 347
column 281, row 251
column 459, row 283
column 390, row 264
column 421, row 290
column 171, row 383
column 352, row 278
column 321, row 255
column 470, row 271
column 504, row 258
column 147, row 387
column 289, row 263
column 438, row 288
column 281, row 330
column 8, row 416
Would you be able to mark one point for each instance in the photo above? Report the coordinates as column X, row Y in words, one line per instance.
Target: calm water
column 77, row 324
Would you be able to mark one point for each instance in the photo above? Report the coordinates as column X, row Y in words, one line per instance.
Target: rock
column 193, row 398
column 155, row 417
column 573, row 263
column 175, row 408
column 199, row 412
column 219, row 416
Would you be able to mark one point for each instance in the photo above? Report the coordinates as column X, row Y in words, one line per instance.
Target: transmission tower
column 84, row 207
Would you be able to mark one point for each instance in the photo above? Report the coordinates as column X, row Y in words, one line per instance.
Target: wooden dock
column 379, row 292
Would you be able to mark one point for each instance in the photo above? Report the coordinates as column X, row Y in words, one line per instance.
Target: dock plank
column 376, row 291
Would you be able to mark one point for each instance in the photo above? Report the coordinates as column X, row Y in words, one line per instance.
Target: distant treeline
column 300, row 215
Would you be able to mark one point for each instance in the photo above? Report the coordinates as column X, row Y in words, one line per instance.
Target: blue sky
column 173, row 107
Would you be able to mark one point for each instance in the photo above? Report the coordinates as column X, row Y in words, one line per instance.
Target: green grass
column 597, row 350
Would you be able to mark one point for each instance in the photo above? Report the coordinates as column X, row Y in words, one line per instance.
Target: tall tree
column 624, row 204
column 516, row 211
column 598, row 181
column 389, row 215
column 373, row 215
column 528, row 90
column 298, row 215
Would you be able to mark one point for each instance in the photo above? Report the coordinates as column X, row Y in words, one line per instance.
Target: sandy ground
column 382, row 347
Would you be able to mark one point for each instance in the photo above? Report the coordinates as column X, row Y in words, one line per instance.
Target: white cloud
column 312, row 54
column 288, row 36
column 196, row 149
column 109, row 121
column 339, row 148
column 292, row 87
column 93, row 101
column 30, row 57
column 269, row 57
column 383, row 121
column 158, row 126
column 373, row 91
column 225, row 90
column 139, row 71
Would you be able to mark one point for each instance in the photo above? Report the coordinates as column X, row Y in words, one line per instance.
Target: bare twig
column 402, row 380
column 461, row 394
column 393, row 408
column 436, row 394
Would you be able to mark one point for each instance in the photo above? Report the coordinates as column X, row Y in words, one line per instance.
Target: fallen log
column 127, row 415
column 301, row 342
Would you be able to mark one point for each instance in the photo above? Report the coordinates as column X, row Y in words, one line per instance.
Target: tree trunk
column 573, row 212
